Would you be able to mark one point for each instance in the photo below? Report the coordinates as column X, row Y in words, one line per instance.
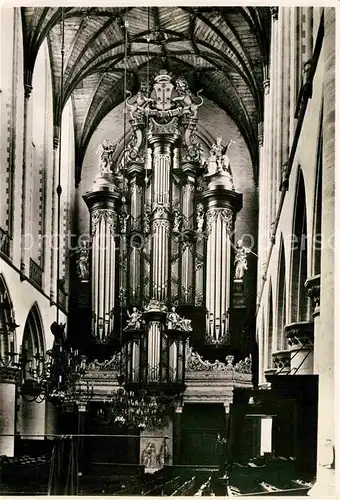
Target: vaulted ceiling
column 222, row 50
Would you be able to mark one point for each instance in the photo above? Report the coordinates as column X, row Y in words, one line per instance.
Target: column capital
column 313, row 291
column 179, row 409
column 8, row 374
column 300, row 335
column 281, row 360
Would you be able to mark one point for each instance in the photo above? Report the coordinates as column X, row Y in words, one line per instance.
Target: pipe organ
column 162, row 223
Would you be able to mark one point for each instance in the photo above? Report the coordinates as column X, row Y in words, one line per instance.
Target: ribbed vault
column 222, row 50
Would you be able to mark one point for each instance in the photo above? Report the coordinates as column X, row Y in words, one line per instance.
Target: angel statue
column 134, row 322
column 83, row 262
column 241, row 264
column 106, row 150
column 219, row 162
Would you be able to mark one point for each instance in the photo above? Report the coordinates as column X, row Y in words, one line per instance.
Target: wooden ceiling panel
column 223, row 49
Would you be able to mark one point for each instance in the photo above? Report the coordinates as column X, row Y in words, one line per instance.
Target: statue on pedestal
column 218, row 162
column 177, row 221
column 175, row 322
column 241, row 264
column 106, row 150
column 134, row 322
column 83, row 270
column 200, row 218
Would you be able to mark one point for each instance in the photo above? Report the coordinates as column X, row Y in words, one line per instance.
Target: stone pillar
column 102, row 203
column 31, row 421
column 26, row 171
column 277, row 161
column 7, row 410
column 54, row 229
column 222, row 204
column 177, row 434
column 324, row 332
column 286, row 83
column 294, row 57
column 271, row 163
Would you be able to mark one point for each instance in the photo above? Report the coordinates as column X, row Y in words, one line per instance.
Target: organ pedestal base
column 239, row 301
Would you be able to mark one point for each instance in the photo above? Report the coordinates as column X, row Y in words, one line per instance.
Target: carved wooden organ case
column 167, row 224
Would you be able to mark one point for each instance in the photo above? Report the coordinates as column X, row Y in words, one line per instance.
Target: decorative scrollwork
column 103, row 213
column 226, row 215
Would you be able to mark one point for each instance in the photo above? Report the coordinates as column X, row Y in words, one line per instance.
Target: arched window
column 42, row 136
column 31, row 416
column 269, row 346
column 299, row 298
column 281, row 300
column 7, row 324
column 33, row 338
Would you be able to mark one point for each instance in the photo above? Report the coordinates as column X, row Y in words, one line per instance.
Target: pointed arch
column 33, row 338
column 281, row 342
column 298, row 296
column 7, row 321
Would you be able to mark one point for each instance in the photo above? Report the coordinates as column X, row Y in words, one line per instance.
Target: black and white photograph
column 168, row 275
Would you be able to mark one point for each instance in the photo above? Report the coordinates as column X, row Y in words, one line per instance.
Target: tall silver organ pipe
column 161, row 194
column 102, row 202
column 222, row 204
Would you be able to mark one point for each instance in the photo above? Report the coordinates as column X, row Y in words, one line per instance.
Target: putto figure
column 241, row 265
column 106, row 151
column 134, row 322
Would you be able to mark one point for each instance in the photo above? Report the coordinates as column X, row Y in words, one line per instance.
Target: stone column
column 26, row 171
column 222, row 204
column 102, row 202
column 324, row 332
column 286, row 83
column 271, row 165
column 7, row 410
column 294, row 57
column 54, row 229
